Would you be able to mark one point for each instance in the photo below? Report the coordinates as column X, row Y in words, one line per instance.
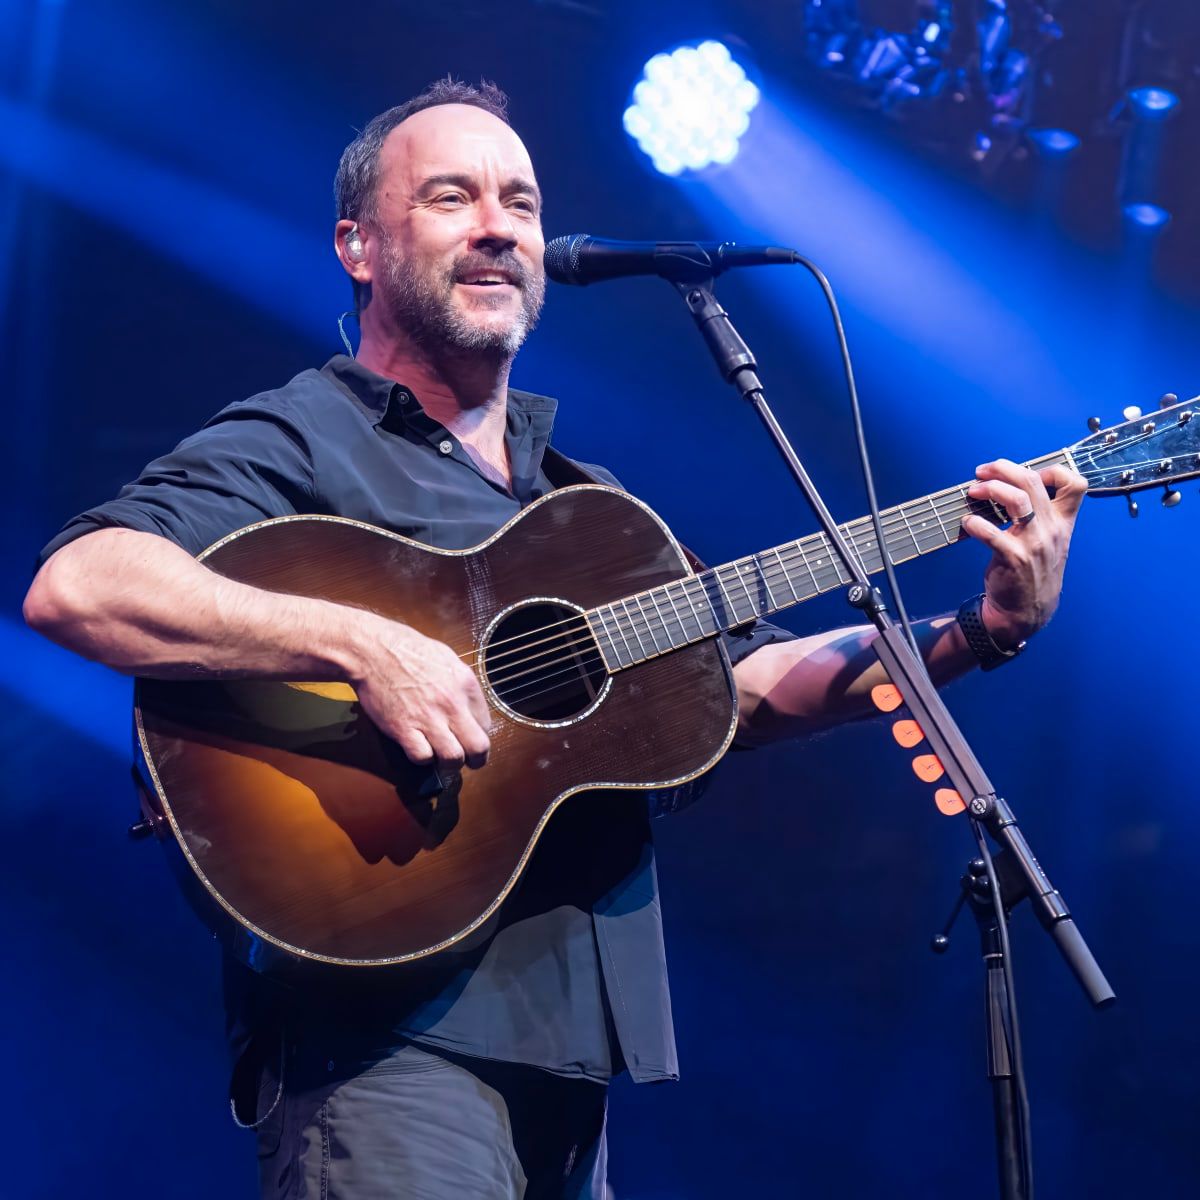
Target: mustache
column 504, row 260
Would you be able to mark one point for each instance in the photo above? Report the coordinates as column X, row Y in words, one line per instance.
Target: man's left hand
column 1023, row 581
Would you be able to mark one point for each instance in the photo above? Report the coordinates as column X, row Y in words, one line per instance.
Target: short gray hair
column 357, row 177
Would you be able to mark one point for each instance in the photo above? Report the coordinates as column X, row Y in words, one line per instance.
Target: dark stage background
column 165, row 224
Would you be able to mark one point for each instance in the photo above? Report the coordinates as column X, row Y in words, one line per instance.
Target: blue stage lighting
column 690, row 108
column 1152, row 103
column 1053, row 143
column 981, row 145
column 1149, row 217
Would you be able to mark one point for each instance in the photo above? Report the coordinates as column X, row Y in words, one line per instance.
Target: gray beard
column 423, row 306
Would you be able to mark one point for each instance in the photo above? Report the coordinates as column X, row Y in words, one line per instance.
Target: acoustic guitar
column 305, row 836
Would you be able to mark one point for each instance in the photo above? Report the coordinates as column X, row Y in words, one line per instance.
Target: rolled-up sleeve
column 248, row 463
column 741, row 643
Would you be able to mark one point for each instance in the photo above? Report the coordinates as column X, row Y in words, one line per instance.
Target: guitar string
column 829, row 570
column 1101, row 472
column 575, row 633
column 592, row 648
column 541, row 674
column 1137, row 439
column 756, row 561
column 896, row 517
column 770, row 574
column 796, row 552
column 818, row 558
column 588, row 645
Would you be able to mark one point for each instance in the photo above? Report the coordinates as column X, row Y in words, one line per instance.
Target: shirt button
column 445, row 445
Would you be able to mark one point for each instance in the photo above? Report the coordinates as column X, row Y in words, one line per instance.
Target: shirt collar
column 372, row 393
column 381, row 398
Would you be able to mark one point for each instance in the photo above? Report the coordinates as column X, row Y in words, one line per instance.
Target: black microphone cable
column 860, row 439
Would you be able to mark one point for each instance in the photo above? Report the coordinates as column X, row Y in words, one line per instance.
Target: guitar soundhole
column 542, row 662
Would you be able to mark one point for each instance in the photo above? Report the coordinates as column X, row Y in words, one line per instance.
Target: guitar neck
column 696, row 607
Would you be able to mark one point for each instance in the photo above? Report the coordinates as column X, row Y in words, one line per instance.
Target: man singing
column 482, row 1073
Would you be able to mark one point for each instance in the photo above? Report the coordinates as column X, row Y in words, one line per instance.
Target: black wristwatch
column 970, row 621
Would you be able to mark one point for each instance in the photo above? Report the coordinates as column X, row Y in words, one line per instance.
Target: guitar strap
column 563, row 472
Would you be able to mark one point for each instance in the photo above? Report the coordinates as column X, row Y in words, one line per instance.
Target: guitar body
column 304, row 834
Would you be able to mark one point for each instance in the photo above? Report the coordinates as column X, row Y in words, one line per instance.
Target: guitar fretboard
column 676, row 614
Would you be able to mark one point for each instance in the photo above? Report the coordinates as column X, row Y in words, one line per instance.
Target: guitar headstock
column 1156, row 449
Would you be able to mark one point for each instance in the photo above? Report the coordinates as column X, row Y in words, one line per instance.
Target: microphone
column 581, row 259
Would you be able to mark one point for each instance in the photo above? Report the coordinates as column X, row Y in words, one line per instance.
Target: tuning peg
column 1168, row 399
column 1171, row 497
column 1131, row 413
column 1094, row 424
column 1133, row 506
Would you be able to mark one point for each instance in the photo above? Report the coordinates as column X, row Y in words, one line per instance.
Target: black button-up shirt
column 574, row 980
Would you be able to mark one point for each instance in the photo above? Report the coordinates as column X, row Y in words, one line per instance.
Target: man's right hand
column 142, row 605
column 422, row 696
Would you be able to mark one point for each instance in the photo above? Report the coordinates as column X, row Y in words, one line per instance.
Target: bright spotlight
column 1053, row 143
column 1148, row 217
column 690, row 108
column 1152, row 103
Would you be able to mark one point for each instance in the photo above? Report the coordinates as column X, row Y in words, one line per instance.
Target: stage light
column 1146, row 138
column 981, row 146
column 926, row 63
column 1152, row 103
column 1148, row 217
column 690, row 108
column 1053, row 143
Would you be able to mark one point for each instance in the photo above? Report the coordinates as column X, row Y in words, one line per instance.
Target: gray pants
column 413, row 1125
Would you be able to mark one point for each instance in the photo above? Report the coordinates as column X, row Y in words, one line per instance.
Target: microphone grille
column 561, row 258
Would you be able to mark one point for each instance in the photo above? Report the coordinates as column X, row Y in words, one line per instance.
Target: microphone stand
column 975, row 890
column 737, row 365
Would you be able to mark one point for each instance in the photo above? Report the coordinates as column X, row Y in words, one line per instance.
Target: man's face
column 459, row 234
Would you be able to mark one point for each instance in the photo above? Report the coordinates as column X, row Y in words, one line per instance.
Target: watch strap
column 983, row 646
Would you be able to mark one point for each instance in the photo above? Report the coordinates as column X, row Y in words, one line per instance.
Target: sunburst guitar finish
column 305, row 834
